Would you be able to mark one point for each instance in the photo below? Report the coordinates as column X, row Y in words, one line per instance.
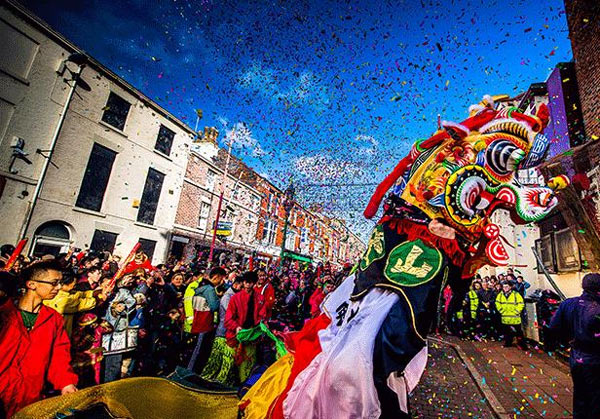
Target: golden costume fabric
column 143, row 397
column 259, row 398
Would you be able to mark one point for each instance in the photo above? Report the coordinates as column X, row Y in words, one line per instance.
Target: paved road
column 526, row 384
column 447, row 390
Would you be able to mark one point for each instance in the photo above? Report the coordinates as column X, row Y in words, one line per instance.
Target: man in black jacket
column 578, row 320
column 487, row 307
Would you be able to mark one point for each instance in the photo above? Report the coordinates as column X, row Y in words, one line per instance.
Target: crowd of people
column 493, row 308
column 85, row 318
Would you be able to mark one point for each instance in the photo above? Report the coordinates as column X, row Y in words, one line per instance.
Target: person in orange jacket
column 34, row 346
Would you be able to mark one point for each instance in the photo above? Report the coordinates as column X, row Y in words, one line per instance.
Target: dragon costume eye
column 503, row 156
column 470, row 196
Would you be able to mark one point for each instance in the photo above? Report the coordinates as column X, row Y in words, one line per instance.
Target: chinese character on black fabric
column 341, row 313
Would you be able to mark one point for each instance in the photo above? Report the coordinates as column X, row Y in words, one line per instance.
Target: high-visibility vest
column 510, row 307
column 188, row 307
column 474, row 303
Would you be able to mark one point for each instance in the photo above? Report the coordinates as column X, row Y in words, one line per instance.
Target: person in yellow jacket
column 188, row 308
column 471, row 306
column 510, row 304
column 69, row 302
column 189, row 338
column 472, row 300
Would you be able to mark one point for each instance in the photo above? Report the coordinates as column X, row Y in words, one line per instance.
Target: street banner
column 296, row 256
column 224, row 228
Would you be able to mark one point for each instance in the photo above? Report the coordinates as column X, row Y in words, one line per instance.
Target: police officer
column 578, row 321
column 510, row 304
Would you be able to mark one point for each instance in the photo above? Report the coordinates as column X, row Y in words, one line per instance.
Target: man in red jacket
column 318, row 296
column 34, row 346
column 265, row 294
column 243, row 311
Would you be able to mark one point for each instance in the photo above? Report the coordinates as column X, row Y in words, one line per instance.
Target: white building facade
column 114, row 167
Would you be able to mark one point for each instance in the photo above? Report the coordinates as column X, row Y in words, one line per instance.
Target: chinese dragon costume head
column 454, row 181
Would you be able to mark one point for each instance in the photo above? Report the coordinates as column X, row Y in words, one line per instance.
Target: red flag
column 15, row 254
column 128, row 259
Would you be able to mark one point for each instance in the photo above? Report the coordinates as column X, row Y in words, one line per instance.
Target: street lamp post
column 288, row 204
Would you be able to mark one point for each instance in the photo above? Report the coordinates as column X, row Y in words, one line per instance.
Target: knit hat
column 591, row 282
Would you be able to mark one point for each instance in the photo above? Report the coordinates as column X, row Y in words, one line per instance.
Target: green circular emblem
column 412, row 263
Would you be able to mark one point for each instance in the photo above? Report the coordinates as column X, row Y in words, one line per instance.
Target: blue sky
column 320, row 91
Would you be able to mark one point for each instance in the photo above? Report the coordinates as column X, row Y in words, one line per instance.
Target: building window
column 559, row 252
column 147, row 246
column 528, row 177
column 150, row 196
column 304, row 236
column 270, row 231
column 203, row 218
column 95, row 179
column 18, row 59
column 255, row 202
column 545, row 250
column 235, row 194
column 272, row 207
column 164, row 141
column 115, row 111
column 567, row 251
column 103, row 241
column 211, row 176
column 290, row 240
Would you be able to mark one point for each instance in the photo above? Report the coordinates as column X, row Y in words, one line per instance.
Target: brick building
column 584, row 31
column 253, row 211
column 569, row 241
column 557, row 242
column 87, row 160
column 204, row 179
column 310, row 234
